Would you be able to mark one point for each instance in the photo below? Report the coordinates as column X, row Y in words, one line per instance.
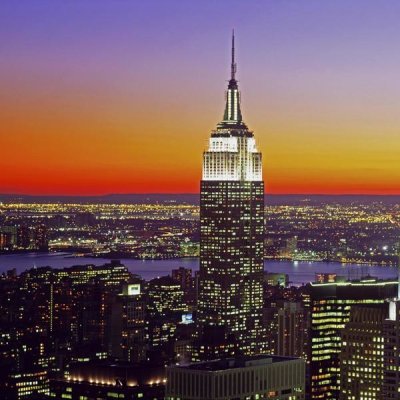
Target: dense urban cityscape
column 90, row 331
column 361, row 230
column 232, row 293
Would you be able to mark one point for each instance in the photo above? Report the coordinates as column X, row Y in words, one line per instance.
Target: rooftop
column 238, row 362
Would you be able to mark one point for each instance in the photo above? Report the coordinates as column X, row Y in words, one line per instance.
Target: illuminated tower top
column 232, row 153
column 232, row 114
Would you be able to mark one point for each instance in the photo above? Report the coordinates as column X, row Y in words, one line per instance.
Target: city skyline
column 155, row 248
column 118, row 98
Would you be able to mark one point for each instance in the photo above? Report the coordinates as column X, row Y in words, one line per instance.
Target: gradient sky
column 120, row 96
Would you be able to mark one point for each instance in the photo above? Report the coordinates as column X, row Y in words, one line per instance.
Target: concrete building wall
column 260, row 379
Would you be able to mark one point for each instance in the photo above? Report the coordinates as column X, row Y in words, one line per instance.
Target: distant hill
column 194, row 199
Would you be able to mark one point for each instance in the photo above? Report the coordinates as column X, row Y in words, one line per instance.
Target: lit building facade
column 229, row 315
column 26, row 385
column 41, row 241
column 108, row 381
column 361, row 357
column 128, row 337
column 391, row 357
column 165, row 311
column 330, row 305
column 165, row 297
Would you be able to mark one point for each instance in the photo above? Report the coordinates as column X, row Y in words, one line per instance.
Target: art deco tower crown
column 232, row 153
column 232, row 114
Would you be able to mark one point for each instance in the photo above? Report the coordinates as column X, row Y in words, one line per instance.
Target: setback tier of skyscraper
column 232, row 233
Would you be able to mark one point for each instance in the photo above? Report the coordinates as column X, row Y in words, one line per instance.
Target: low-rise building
column 108, row 381
column 256, row 377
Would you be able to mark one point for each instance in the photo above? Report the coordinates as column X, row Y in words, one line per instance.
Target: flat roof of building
column 232, row 363
column 366, row 281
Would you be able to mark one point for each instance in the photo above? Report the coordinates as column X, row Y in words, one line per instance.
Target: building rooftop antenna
column 233, row 64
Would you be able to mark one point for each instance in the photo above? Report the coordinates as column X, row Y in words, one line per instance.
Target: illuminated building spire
column 232, row 114
column 233, row 64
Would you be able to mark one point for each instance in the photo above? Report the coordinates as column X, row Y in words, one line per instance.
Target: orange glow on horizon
column 72, row 142
column 120, row 97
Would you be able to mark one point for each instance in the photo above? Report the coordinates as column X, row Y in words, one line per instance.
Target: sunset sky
column 120, row 96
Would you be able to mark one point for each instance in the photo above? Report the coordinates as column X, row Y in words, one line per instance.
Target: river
column 299, row 272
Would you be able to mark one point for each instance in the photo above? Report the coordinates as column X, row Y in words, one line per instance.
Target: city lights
column 145, row 256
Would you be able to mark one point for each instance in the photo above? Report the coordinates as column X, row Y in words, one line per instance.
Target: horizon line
column 193, row 194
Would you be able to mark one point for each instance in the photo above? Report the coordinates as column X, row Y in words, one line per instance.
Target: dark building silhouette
column 85, row 219
column 8, row 237
column 291, row 329
column 128, row 339
column 23, row 237
column 41, row 241
column 107, row 381
column 183, row 276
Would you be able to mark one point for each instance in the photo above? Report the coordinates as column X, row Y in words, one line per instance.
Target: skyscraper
column 361, row 356
column 329, row 307
column 229, row 316
column 391, row 359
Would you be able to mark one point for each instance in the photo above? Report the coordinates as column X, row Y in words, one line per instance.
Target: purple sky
column 319, row 81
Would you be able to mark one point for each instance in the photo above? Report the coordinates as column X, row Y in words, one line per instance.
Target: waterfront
column 299, row 272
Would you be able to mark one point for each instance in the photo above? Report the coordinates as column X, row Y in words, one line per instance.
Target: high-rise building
column 165, row 310
column 3, row 241
column 291, row 329
column 41, row 240
column 391, row 357
column 26, row 385
column 165, row 297
column 128, row 336
column 8, row 237
column 361, row 356
column 183, row 276
column 92, row 317
column 23, row 237
column 231, row 237
column 290, row 249
column 286, row 325
column 329, row 308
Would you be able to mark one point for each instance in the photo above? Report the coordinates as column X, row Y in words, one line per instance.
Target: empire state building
column 229, row 313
